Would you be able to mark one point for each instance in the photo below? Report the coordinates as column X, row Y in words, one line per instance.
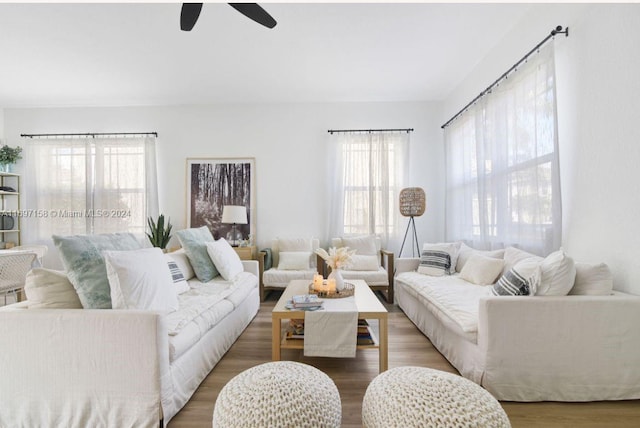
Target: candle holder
column 348, row 291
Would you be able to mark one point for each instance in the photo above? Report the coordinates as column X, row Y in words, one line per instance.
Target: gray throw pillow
column 83, row 260
column 194, row 241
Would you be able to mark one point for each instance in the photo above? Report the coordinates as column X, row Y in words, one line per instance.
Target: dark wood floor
column 407, row 346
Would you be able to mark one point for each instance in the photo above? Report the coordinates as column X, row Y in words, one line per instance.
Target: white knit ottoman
column 421, row 397
column 279, row 394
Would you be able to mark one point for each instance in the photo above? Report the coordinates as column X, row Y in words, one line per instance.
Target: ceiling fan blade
column 189, row 15
column 255, row 12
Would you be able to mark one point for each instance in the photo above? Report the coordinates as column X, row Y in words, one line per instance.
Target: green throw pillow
column 194, row 242
column 82, row 259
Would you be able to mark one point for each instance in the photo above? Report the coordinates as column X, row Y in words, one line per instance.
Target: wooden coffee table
column 368, row 305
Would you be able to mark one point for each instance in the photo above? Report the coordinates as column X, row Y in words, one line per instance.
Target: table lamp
column 234, row 214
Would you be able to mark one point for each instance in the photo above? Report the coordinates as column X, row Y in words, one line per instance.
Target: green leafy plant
column 10, row 155
column 159, row 235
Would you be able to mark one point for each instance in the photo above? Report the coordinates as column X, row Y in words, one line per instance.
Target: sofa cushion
column 514, row 255
column 364, row 245
column 558, row 274
column 49, row 289
column 520, row 280
column 179, row 282
column 481, row 270
column 293, row 244
column 225, row 259
column 364, row 263
column 294, row 260
column 83, row 261
column 140, row 279
column 181, row 259
column 592, row 280
column 438, row 259
column 281, row 278
column 465, row 252
column 194, row 242
column 377, row 277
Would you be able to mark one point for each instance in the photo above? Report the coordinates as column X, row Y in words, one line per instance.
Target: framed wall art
column 212, row 184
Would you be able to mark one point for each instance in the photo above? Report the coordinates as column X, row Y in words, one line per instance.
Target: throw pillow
column 83, row 261
column 481, row 270
column 592, row 280
column 466, row 252
column 194, row 242
column 513, row 256
column 293, row 244
column 438, row 259
column 141, row 279
column 181, row 259
column 294, row 260
column 225, row 258
column 49, row 289
column 177, row 277
column 364, row 245
column 558, row 274
column 520, row 280
column 361, row 262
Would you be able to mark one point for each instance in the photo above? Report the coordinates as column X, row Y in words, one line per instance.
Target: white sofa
column 118, row 368
column 528, row 348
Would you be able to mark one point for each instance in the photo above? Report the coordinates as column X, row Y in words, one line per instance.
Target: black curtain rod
column 407, row 130
column 89, row 134
column 557, row 30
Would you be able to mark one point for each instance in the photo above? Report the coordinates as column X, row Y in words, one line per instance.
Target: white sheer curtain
column 89, row 185
column 503, row 183
column 368, row 170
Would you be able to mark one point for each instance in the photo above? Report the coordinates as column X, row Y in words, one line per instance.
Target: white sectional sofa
column 528, row 348
column 119, row 367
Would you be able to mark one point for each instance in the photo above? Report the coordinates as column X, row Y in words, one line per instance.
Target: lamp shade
column 413, row 202
column 234, row 214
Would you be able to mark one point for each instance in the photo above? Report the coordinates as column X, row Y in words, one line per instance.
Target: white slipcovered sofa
column 118, row 367
column 530, row 347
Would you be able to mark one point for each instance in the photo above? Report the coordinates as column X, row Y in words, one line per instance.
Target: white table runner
column 332, row 331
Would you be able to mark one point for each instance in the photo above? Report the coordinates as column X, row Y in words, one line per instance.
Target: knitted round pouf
column 279, row 394
column 421, row 397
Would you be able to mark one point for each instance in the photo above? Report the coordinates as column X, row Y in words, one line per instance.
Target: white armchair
column 378, row 275
column 14, row 266
column 286, row 260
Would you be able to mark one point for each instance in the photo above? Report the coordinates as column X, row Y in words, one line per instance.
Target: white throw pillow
column 364, row 245
column 181, row 259
column 177, row 277
column 512, row 256
column 481, row 270
column 558, row 274
column 438, row 259
column 364, row 263
column 520, row 280
column 225, row 258
column 465, row 252
column 592, row 280
column 49, row 289
column 294, row 260
column 294, row 244
column 140, row 279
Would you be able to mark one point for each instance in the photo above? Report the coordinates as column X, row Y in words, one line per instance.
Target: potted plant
column 9, row 156
column 159, row 235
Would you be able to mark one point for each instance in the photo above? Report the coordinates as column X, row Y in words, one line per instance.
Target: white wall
column 597, row 70
column 287, row 141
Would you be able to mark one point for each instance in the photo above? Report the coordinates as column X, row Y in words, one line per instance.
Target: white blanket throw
column 332, row 332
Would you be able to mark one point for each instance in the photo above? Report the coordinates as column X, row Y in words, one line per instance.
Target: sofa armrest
column 80, row 363
column 406, row 264
column 564, row 348
column 252, row 266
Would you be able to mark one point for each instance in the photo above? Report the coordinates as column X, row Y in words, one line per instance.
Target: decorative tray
column 348, row 291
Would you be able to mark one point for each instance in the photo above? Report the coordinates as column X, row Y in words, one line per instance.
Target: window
column 369, row 172
column 89, row 185
column 503, row 186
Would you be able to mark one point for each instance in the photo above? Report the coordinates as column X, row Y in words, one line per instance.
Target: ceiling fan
column 191, row 11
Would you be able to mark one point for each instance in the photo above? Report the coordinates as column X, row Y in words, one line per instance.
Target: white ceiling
column 135, row 54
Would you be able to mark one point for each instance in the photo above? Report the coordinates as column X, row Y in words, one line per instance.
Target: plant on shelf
column 160, row 235
column 9, row 156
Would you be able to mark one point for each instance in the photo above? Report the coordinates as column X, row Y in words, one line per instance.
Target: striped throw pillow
column 178, row 278
column 435, row 263
column 520, row 280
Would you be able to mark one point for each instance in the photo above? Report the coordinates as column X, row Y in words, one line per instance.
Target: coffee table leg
column 276, row 339
column 384, row 345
